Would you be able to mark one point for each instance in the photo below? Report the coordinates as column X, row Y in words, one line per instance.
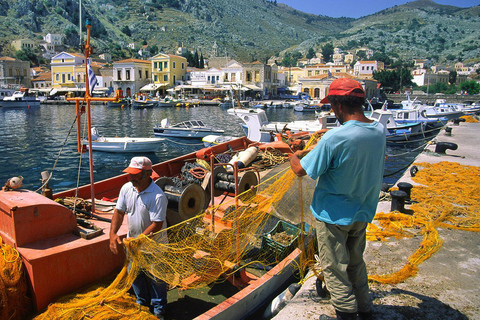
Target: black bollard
column 398, row 200
column 441, row 147
column 405, row 187
column 448, row 131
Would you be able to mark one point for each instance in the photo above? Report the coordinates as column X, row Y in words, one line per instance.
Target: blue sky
column 359, row 8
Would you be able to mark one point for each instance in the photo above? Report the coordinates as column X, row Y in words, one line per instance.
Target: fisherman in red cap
column 348, row 162
column 146, row 206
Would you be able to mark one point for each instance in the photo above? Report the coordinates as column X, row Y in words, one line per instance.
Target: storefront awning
column 253, row 87
column 152, row 86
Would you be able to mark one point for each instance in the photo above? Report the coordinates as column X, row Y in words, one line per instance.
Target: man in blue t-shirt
column 348, row 162
column 145, row 205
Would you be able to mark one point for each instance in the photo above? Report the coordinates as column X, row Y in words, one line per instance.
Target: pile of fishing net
column 13, row 285
column 201, row 250
column 448, row 196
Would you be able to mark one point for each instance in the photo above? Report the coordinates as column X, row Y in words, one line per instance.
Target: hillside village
column 170, row 73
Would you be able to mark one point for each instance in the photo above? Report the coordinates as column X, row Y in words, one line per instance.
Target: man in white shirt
column 145, row 205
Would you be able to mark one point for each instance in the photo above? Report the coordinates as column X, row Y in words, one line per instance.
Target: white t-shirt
column 143, row 208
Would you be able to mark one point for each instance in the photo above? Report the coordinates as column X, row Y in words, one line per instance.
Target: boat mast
column 88, row 51
column 80, row 22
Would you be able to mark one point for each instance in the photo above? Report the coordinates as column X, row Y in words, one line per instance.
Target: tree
column 452, row 77
column 470, row 87
column 327, row 52
column 196, row 59
column 310, row 54
column 394, row 80
column 202, row 62
column 126, row 31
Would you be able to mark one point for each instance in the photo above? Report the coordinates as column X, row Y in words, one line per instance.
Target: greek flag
column 92, row 80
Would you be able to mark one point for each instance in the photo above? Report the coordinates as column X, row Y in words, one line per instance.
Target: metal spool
column 226, row 182
column 188, row 201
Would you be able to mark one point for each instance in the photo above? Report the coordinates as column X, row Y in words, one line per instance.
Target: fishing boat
column 399, row 132
column 125, row 144
column 62, row 238
column 143, row 101
column 82, row 248
column 20, row 99
column 191, row 129
column 305, row 107
column 120, row 103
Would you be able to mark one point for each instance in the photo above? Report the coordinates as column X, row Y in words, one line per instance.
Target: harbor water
column 44, row 139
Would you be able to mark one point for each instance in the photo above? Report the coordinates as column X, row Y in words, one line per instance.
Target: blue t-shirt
column 348, row 162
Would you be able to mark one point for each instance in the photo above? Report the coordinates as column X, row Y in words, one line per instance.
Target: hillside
column 418, row 29
column 246, row 29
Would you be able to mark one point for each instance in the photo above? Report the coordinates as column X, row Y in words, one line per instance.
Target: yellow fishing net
column 13, row 285
column 204, row 249
column 200, row 252
column 470, row 119
column 448, row 197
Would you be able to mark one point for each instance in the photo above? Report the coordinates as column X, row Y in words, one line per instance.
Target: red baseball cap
column 344, row 87
column 138, row 164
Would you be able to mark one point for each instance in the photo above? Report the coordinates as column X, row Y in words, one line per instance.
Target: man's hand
column 115, row 242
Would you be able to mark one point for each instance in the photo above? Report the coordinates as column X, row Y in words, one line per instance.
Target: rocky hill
column 245, row 29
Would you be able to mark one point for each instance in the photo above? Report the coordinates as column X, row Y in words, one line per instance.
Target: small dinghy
column 126, row 144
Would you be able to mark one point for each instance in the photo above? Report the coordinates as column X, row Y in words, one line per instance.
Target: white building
column 130, row 75
column 53, row 38
column 366, row 68
column 424, row 77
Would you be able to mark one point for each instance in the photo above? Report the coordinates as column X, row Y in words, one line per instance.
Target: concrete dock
column 446, row 285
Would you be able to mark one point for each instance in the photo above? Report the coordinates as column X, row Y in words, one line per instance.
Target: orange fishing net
column 13, row 286
column 200, row 252
column 448, row 197
column 470, row 119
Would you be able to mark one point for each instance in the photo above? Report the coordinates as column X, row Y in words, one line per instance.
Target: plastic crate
column 277, row 251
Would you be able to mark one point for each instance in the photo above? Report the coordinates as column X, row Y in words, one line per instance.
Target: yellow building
column 168, row 69
column 68, row 70
column 23, row 44
column 317, row 86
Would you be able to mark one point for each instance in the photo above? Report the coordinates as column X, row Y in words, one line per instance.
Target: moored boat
column 20, row 99
column 191, row 129
column 142, row 101
column 125, row 144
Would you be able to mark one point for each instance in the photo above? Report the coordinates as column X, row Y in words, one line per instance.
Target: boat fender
column 244, row 158
column 281, row 300
column 441, row 147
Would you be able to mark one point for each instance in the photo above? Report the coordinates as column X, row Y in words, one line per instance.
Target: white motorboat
column 191, row 129
column 398, row 132
column 258, row 128
column 20, row 99
column 126, row 144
